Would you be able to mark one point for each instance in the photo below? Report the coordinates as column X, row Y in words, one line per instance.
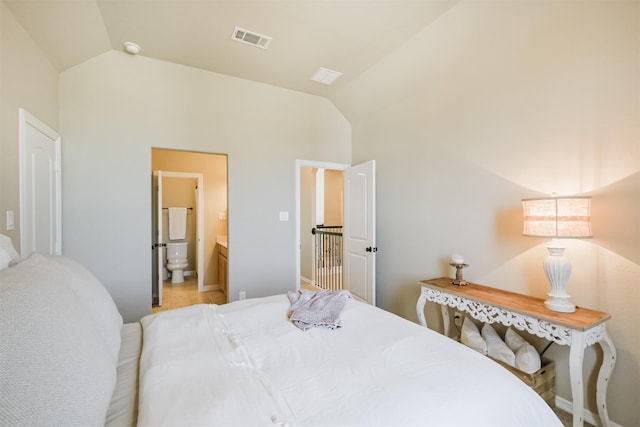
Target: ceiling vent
column 325, row 76
column 248, row 37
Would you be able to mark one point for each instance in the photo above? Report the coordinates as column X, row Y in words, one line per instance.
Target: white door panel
column 359, row 231
column 159, row 242
column 358, row 272
column 358, row 218
column 40, row 187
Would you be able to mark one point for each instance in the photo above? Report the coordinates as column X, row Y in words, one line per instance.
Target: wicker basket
column 542, row 381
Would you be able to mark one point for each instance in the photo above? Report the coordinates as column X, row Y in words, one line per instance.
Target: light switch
column 284, row 216
column 10, row 222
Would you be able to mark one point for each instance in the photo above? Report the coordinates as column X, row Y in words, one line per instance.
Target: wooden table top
column 582, row 319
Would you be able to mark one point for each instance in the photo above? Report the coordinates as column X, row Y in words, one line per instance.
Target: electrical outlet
column 242, row 295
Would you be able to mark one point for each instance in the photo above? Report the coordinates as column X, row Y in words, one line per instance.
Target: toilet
column 177, row 260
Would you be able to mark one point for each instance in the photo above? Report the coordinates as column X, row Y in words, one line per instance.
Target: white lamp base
column 558, row 269
column 560, row 305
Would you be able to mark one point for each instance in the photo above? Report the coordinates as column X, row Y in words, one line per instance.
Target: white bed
column 246, row 364
column 67, row 359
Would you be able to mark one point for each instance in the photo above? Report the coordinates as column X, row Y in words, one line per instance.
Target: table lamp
column 557, row 218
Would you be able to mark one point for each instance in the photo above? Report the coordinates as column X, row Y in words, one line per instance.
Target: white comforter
column 244, row 364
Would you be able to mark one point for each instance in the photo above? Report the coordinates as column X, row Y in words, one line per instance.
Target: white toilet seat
column 177, row 265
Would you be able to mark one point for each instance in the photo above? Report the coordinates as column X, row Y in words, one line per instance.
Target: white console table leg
column 420, row 309
column 576, row 359
column 445, row 319
column 608, row 363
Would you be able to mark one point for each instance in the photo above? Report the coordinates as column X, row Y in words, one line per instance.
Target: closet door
column 40, row 187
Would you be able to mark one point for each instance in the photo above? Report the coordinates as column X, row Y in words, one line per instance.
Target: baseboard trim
column 587, row 416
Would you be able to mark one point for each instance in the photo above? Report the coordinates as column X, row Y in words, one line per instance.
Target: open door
column 158, row 244
column 360, row 231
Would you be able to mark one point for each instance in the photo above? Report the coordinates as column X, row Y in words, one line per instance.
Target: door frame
column 299, row 165
column 26, row 119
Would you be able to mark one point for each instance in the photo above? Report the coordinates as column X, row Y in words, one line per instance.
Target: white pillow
column 55, row 369
column 527, row 358
column 496, row 348
column 8, row 254
column 513, row 340
column 470, row 336
column 93, row 296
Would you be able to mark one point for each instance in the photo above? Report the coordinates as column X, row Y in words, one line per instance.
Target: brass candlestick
column 459, row 281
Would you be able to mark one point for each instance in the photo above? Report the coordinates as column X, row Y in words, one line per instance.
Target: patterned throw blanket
column 320, row 309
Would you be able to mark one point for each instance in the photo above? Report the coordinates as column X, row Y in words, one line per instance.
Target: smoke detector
column 132, row 48
column 249, row 37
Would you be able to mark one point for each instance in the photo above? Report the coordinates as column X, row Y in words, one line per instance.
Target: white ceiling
column 348, row 36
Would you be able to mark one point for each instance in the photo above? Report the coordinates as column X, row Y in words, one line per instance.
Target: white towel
column 177, row 223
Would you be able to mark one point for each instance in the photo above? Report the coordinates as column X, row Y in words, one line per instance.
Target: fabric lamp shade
column 557, row 218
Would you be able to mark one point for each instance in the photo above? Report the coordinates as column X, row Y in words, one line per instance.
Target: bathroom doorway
column 174, row 190
column 195, row 182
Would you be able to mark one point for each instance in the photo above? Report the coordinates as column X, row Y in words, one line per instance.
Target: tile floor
column 186, row 294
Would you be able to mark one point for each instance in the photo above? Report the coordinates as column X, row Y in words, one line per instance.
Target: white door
column 360, row 231
column 40, row 187
column 159, row 244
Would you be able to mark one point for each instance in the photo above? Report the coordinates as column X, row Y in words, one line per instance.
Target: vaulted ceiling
column 347, row 36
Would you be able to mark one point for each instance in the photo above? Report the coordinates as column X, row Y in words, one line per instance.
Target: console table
column 578, row 330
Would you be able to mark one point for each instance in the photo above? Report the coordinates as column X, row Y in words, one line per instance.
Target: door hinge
column 370, row 249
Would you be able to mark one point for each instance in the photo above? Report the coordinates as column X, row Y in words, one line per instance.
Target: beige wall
column 307, row 217
column 333, row 197
column 29, row 81
column 494, row 102
column 213, row 167
column 115, row 107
